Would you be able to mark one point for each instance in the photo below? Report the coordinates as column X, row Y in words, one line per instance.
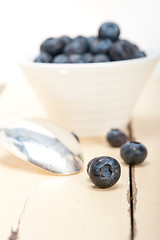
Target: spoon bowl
column 44, row 144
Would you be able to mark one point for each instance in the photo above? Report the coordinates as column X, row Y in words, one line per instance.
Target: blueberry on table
column 116, row 137
column 89, row 164
column 100, row 58
column 100, row 46
column 123, row 50
column 75, row 58
column 61, row 58
column 75, row 135
column 104, row 171
column 53, row 46
column 44, row 58
column 109, row 30
column 133, row 152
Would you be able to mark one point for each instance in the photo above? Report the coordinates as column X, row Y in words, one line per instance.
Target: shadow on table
column 93, row 187
column 113, row 188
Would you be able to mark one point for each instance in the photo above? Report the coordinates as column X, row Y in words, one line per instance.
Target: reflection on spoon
column 43, row 144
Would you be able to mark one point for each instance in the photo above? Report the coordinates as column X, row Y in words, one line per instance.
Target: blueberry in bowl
column 100, row 57
column 52, row 46
column 61, row 58
column 109, row 30
column 78, row 45
column 123, row 50
column 106, row 42
column 43, row 57
column 99, row 46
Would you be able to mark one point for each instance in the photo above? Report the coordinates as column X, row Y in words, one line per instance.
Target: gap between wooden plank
column 132, row 187
column 14, row 234
column 131, row 204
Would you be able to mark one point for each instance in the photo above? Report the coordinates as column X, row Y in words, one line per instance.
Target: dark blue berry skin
column 82, row 39
column 140, row 54
column 109, row 30
column 123, row 50
column 61, row 58
column 87, row 57
column 100, row 46
column 75, row 135
column 44, row 58
column 65, row 39
column 79, row 45
column 104, row 171
column 75, row 58
column 100, row 58
column 116, row 137
column 90, row 40
column 53, row 46
column 133, row 152
column 89, row 164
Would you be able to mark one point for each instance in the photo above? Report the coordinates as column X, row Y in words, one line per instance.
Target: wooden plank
column 48, row 206
column 147, row 176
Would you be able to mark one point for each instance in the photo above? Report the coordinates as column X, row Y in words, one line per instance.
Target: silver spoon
column 43, row 144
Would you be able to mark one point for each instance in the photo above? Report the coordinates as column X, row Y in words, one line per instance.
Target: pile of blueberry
column 105, row 171
column 105, row 47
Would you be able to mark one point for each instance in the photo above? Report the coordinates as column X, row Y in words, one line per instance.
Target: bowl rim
column 28, row 61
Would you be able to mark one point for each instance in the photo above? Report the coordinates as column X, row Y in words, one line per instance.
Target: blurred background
column 24, row 24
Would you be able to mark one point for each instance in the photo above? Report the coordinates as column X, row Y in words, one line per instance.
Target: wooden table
column 35, row 205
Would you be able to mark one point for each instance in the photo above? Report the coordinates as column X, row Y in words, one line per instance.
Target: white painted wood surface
column 51, row 207
column 147, row 175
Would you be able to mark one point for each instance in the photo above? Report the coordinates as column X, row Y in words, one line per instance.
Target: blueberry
column 53, row 46
column 133, row 152
column 89, row 164
column 123, row 50
column 87, row 57
column 44, row 58
column 100, row 46
column 65, row 39
column 100, row 58
column 61, row 58
column 79, row 45
column 109, row 30
column 116, row 137
column 104, row 171
column 75, row 58
column 140, row 54
column 91, row 39
column 82, row 39
column 75, row 135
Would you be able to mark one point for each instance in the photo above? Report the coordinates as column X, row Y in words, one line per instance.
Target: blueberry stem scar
column 131, row 181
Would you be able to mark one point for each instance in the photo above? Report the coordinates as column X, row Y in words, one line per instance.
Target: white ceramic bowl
column 89, row 99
